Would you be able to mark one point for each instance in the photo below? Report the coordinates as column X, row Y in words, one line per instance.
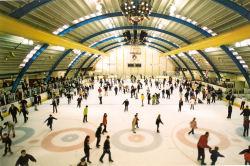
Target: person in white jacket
column 192, row 102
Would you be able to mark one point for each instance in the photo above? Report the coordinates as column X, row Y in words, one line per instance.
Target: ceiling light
column 205, row 28
column 55, row 32
column 92, row 15
column 178, row 16
column 37, row 47
column 57, row 48
column 22, row 65
column 214, row 34
column 65, row 26
column 31, row 42
column 25, row 60
column 99, row 7
column 235, row 53
column 29, row 55
column 75, row 21
column 238, row 57
column 25, row 41
column 245, row 66
column 183, row 18
column 209, row 31
column 172, row 9
column 60, row 29
column 242, row 62
column 32, row 51
column 194, row 22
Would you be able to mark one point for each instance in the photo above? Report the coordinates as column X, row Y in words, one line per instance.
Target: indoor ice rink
column 171, row 76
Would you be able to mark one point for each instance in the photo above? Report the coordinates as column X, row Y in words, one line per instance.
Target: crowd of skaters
column 190, row 91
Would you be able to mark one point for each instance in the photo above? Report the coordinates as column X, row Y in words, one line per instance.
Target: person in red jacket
column 246, row 153
column 202, row 144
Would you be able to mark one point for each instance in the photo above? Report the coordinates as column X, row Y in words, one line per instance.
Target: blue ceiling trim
column 147, row 28
column 158, row 16
column 134, row 27
column 173, row 18
column 211, row 63
column 164, row 41
column 110, row 44
column 20, row 12
column 26, row 67
column 73, row 63
column 196, row 65
column 162, row 46
column 235, row 7
column 90, row 20
column 85, row 71
column 116, row 46
column 83, row 63
column 178, row 65
column 233, row 57
column 71, row 28
column 56, row 64
column 185, row 64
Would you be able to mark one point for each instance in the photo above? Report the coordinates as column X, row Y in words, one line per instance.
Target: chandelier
column 136, row 10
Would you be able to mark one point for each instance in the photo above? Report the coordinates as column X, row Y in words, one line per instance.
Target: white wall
column 117, row 62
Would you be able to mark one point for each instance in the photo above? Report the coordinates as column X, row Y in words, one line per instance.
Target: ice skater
column 24, row 110
column 215, row 154
column 158, row 122
column 105, row 122
column 180, row 104
column 201, row 145
column 134, row 124
column 79, row 101
column 85, row 114
column 137, row 121
column 13, row 110
column 11, row 128
column 192, row 102
column 98, row 135
column 245, row 112
column 87, row 148
column 116, row 90
column 242, row 105
column 229, row 111
column 54, row 104
column 126, row 104
column 246, row 127
column 193, row 125
column 49, row 121
column 106, row 149
column 142, row 99
column 7, row 144
column 246, row 153
column 23, row 160
column 100, row 98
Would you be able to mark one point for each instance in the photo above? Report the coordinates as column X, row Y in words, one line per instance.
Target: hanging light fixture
column 136, row 10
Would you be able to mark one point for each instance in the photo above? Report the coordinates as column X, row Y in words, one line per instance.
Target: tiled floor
column 173, row 146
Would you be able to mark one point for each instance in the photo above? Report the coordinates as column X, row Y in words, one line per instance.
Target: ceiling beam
column 226, row 38
column 15, row 27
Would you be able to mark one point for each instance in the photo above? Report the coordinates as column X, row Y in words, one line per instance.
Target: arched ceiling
column 50, row 15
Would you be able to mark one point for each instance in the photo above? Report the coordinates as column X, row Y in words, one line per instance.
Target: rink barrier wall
column 5, row 109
